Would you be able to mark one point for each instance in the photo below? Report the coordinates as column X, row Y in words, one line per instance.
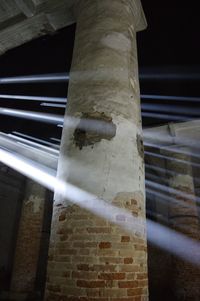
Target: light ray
column 175, row 243
column 42, row 117
column 165, row 199
column 170, row 108
column 36, row 139
column 172, row 149
column 166, row 171
column 32, row 79
column 151, row 154
column 55, row 139
column 151, row 134
column 33, row 144
column 172, row 191
column 52, row 105
column 34, row 98
column 166, row 116
column 169, row 76
column 180, row 245
column 167, row 97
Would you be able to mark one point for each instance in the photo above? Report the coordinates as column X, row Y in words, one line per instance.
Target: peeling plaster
column 101, row 127
column 140, row 146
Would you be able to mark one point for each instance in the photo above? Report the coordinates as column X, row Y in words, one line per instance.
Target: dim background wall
column 11, row 195
column 24, row 237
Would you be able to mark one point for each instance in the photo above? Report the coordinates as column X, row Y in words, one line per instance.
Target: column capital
column 135, row 6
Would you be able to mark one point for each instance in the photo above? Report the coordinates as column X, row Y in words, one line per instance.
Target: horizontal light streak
column 169, row 76
column 42, row 117
column 40, row 78
column 34, row 98
column 52, row 105
column 166, row 198
column 64, row 77
column 33, row 144
column 165, row 171
column 172, row 190
column 166, row 116
column 172, row 150
column 183, row 140
column 55, row 139
column 170, row 97
column 35, row 139
column 31, row 152
column 170, row 108
column 151, row 154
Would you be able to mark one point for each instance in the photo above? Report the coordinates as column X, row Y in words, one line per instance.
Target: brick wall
column 183, row 215
column 28, row 240
column 93, row 259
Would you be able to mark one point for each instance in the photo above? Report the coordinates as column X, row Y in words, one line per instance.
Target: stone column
column 183, row 215
column 91, row 258
column 28, row 241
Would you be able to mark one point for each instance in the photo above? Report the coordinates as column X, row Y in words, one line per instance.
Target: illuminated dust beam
column 157, row 234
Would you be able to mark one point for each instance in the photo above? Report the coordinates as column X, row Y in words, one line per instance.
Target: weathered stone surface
column 24, row 20
column 90, row 256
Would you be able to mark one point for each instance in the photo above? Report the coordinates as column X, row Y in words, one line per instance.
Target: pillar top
column 139, row 15
column 136, row 7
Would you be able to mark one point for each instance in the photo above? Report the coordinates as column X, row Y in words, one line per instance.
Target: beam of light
column 166, row 171
column 158, row 216
column 160, row 169
column 168, row 221
column 64, row 77
column 167, row 97
column 150, row 135
column 42, row 117
column 155, row 178
column 158, row 178
column 34, row 98
column 35, row 139
column 52, row 105
column 48, row 154
column 32, row 79
column 170, row 108
column 163, row 198
column 173, row 191
column 27, row 167
column 30, row 152
column 89, row 125
column 55, row 139
column 166, row 116
column 172, row 149
column 157, row 234
column 175, row 243
column 169, row 76
column 151, row 154
column 33, row 144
